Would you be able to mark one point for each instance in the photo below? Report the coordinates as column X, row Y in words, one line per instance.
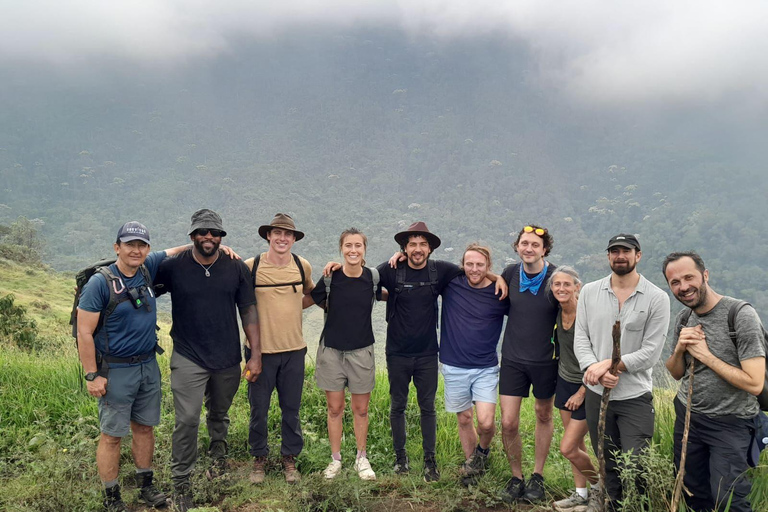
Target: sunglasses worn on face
column 214, row 232
column 538, row 231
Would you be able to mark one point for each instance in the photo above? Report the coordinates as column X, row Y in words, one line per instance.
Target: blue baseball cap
column 133, row 231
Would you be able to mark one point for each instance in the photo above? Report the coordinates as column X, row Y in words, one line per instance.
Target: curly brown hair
column 546, row 238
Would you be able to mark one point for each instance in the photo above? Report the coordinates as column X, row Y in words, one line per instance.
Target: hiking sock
column 484, row 451
column 110, row 485
column 582, row 491
column 336, row 456
column 363, row 453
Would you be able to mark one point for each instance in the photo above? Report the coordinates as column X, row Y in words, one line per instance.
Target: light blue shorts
column 463, row 386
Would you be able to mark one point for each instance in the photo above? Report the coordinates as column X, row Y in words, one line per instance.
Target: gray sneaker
column 595, row 501
column 573, row 503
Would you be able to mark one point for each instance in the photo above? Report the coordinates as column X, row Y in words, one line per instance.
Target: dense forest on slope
column 370, row 129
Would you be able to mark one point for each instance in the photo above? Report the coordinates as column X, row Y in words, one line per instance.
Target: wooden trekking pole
column 684, row 448
column 614, row 369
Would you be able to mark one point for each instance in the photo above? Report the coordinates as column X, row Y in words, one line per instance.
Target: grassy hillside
column 49, row 429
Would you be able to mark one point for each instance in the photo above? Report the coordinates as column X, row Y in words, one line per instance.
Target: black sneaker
column 401, row 464
column 148, row 492
column 182, row 498
column 513, row 491
column 113, row 502
column 534, row 489
column 431, row 474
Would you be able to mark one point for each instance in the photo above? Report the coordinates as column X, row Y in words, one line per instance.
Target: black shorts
column 566, row 390
column 516, row 379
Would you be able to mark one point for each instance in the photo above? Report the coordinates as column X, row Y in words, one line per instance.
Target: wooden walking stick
column 614, row 369
column 684, row 448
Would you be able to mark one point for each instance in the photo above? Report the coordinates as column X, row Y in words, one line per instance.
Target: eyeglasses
column 538, row 231
column 214, row 232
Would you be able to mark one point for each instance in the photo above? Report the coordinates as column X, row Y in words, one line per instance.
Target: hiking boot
column 595, row 501
column 148, row 492
column 513, row 491
column 219, row 468
column 402, row 467
column 475, row 465
column 364, row 470
column 333, row 469
column 113, row 502
column 534, row 489
column 431, row 474
column 292, row 474
column 573, row 503
column 258, row 473
column 182, row 498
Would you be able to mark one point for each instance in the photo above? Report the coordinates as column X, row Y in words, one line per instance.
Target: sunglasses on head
column 214, row 232
column 538, row 231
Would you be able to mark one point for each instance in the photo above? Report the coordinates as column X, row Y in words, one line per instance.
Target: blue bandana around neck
column 533, row 284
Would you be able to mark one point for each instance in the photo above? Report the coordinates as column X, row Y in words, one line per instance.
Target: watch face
column 91, row 376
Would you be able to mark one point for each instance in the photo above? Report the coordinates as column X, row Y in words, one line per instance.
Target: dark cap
column 206, row 219
column 133, row 231
column 282, row 221
column 418, row 228
column 624, row 240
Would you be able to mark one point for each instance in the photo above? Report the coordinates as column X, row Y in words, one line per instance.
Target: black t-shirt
column 348, row 326
column 531, row 320
column 412, row 324
column 205, row 328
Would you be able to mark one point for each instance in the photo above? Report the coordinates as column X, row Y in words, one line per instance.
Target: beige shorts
column 354, row 369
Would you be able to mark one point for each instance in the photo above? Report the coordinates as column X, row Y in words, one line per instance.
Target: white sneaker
column 363, row 468
column 573, row 503
column 333, row 469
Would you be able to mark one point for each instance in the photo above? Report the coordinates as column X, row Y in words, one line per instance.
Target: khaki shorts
column 354, row 369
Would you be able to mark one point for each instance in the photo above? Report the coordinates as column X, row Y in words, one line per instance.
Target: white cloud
column 657, row 50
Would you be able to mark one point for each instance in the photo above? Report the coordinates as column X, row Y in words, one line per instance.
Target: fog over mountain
column 588, row 118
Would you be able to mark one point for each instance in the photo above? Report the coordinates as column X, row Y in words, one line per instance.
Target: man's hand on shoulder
column 330, row 268
column 396, row 258
column 230, row 252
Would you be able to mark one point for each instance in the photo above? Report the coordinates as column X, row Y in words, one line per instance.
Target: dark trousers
column 423, row 371
column 716, row 463
column 628, row 429
column 191, row 385
column 284, row 371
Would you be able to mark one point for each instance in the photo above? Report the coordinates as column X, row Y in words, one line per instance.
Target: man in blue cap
column 116, row 339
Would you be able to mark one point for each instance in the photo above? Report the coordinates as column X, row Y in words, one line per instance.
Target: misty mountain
column 373, row 128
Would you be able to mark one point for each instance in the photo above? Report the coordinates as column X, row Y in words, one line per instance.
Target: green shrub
column 15, row 327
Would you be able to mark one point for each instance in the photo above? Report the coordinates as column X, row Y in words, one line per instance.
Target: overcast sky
column 688, row 52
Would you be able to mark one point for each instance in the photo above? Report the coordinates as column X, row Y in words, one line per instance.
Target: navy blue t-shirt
column 204, row 309
column 528, row 335
column 412, row 326
column 470, row 324
column 131, row 331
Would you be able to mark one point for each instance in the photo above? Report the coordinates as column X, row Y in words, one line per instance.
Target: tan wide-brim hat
column 282, row 221
column 418, row 228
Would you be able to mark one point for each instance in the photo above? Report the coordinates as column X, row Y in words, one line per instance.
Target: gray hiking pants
column 192, row 384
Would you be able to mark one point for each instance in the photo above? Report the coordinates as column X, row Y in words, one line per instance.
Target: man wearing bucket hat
column 725, row 337
column 281, row 280
column 116, row 318
column 207, row 290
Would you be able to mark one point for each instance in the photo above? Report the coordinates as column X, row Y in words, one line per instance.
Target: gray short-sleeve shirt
column 712, row 395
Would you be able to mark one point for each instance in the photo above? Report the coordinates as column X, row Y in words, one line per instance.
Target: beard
column 622, row 269
column 206, row 252
column 699, row 298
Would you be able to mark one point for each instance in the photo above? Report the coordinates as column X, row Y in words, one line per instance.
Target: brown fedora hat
column 418, row 228
column 282, row 221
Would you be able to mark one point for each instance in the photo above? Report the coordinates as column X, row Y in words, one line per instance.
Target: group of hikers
column 558, row 341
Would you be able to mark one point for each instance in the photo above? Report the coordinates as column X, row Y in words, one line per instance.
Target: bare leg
column 142, row 445
column 573, row 448
column 360, row 418
column 336, row 403
column 108, row 457
column 467, row 432
column 544, row 430
column 486, row 423
column 510, row 435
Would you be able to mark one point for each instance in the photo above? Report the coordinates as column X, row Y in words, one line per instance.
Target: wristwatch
column 91, row 376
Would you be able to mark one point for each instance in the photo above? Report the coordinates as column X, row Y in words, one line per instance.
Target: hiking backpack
column 401, row 285
column 256, row 260
column 116, row 297
column 762, row 398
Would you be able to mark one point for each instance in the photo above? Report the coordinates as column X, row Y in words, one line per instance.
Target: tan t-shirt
column 280, row 307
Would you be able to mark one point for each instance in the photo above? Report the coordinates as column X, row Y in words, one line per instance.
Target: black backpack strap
column 255, row 268
column 433, row 278
column 301, row 269
column 375, row 278
column 686, row 314
column 732, row 312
